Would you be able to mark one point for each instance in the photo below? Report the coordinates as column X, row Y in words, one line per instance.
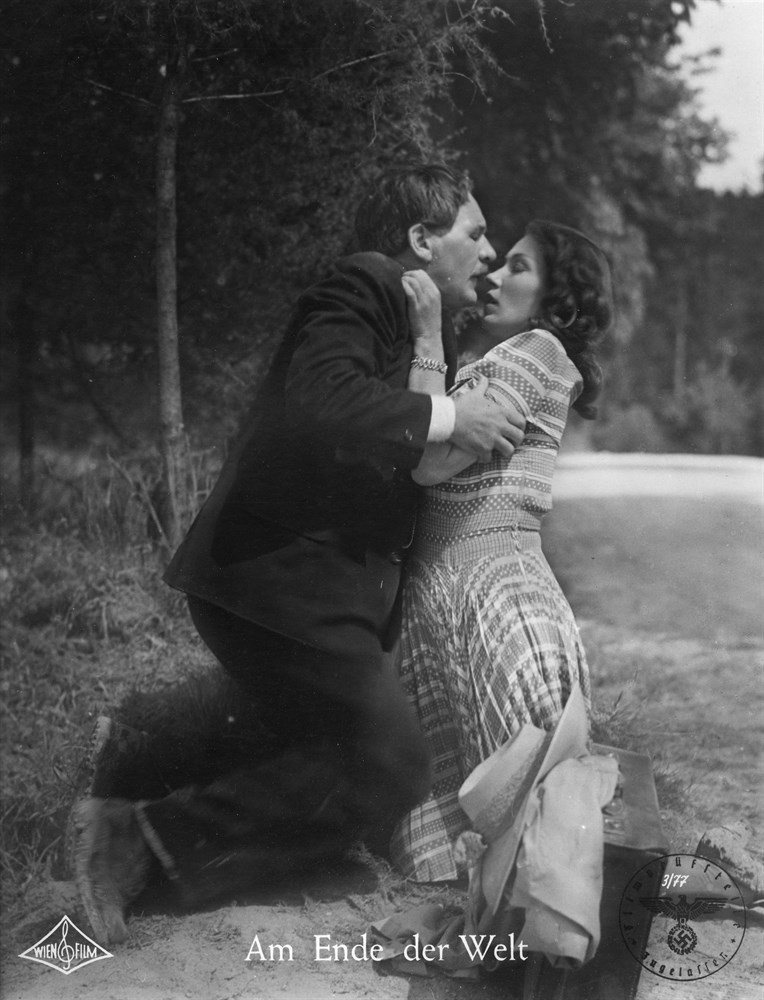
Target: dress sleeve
column 533, row 373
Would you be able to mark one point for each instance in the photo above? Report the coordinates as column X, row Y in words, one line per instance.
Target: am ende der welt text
column 478, row 947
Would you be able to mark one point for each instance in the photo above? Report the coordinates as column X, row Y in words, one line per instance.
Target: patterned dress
column 489, row 641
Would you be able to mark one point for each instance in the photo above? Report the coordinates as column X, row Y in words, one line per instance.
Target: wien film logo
column 66, row 948
column 701, row 917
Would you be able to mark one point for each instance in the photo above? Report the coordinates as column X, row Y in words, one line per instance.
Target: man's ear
column 419, row 239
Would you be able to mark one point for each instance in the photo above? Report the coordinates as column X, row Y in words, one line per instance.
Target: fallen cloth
column 559, row 873
column 551, row 905
column 422, row 939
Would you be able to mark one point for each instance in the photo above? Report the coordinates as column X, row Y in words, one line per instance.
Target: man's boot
column 112, row 863
column 116, row 755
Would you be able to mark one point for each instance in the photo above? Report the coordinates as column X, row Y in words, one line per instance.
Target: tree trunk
column 24, row 331
column 681, row 320
column 173, row 438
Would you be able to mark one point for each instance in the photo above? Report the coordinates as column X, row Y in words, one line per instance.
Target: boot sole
column 86, row 846
column 84, row 789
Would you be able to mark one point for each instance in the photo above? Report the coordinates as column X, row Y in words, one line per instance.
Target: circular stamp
column 699, row 917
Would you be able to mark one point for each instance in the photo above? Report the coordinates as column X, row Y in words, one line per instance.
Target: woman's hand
column 424, row 310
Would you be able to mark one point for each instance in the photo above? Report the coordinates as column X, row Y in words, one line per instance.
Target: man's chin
column 455, row 303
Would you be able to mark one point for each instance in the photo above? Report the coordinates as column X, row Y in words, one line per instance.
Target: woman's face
column 516, row 290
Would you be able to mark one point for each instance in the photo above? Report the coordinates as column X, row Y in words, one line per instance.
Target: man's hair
column 429, row 193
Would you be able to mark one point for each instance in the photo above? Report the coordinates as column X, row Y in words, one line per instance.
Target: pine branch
column 278, row 93
column 354, row 62
column 439, row 42
column 121, row 93
column 234, row 97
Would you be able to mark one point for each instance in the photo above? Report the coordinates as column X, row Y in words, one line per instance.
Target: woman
column 489, row 641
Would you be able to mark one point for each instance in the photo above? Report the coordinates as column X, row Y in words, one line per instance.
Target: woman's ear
column 419, row 240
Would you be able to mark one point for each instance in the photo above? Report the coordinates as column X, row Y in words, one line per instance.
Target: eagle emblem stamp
column 699, row 917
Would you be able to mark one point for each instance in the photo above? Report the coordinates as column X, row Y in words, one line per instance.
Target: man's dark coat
column 305, row 528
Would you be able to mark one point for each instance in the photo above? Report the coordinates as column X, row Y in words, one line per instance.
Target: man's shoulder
column 370, row 268
column 357, row 277
column 371, row 262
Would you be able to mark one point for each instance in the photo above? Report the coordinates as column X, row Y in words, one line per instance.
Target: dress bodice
column 532, row 372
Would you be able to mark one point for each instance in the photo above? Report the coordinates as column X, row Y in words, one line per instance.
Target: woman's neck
column 480, row 341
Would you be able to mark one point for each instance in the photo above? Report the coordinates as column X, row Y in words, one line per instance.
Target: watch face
column 699, row 917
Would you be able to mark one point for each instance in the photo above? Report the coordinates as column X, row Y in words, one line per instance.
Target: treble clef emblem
column 65, row 951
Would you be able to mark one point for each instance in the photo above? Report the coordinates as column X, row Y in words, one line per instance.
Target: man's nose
column 487, row 252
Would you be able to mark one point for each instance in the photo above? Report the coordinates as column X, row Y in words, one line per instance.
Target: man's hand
column 483, row 427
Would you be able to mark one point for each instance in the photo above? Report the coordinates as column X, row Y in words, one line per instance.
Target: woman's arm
column 440, row 461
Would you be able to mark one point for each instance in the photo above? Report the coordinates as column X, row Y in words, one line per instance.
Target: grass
column 661, row 565
column 621, row 724
column 84, row 622
column 668, row 593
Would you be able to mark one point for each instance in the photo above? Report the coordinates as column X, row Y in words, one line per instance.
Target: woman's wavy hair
column 578, row 306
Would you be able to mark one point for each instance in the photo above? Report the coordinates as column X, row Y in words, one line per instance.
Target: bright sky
column 734, row 91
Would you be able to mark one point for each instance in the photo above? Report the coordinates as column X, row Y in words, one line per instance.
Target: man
column 293, row 567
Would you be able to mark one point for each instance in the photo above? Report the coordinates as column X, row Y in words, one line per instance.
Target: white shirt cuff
column 443, row 419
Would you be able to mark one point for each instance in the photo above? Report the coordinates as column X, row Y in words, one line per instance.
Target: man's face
column 460, row 257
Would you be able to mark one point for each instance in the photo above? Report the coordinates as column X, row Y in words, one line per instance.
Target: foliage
column 589, row 124
column 696, row 362
column 286, row 110
column 595, row 123
column 83, row 622
column 567, row 110
column 587, row 98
